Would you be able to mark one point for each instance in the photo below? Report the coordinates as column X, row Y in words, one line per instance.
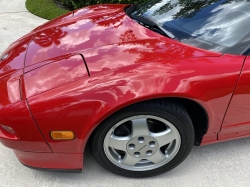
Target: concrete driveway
column 222, row 164
column 15, row 21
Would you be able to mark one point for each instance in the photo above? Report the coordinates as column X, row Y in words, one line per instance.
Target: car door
column 236, row 123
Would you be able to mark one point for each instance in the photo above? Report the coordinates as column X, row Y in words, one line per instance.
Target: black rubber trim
column 55, row 170
column 85, row 64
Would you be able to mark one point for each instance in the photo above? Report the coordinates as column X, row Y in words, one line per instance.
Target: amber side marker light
column 62, row 135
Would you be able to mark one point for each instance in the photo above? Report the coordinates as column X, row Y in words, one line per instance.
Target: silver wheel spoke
column 118, row 142
column 140, row 127
column 164, row 137
column 129, row 160
column 157, row 157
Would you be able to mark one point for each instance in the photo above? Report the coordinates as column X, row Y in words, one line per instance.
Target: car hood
column 97, row 26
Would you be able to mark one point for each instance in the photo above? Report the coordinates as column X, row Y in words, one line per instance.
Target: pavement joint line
column 13, row 12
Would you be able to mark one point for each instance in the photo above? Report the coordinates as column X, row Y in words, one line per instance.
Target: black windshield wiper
column 150, row 23
column 131, row 8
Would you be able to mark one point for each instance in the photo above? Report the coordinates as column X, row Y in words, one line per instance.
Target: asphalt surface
column 223, row 164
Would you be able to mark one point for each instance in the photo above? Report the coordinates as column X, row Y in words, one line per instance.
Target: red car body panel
column 87, row 102
column 17, row 115
column 139, row 51
column 73, row 72
column 83, row 32
column 54, row 74
column 16, row 56
column 50, row 160
column 14, row 112
column 237, row 119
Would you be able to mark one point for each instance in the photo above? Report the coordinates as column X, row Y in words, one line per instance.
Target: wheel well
column 198, row 116
column 196, row 112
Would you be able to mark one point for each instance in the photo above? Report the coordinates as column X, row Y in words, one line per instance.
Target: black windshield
column 216, row 25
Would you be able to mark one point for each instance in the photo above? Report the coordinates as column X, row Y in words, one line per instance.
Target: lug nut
column 140, row 139
column 149, row 152
column 137, row 154
column 151, row 144
column 131, row 146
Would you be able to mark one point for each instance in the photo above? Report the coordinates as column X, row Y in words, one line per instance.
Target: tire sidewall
column 182, row 123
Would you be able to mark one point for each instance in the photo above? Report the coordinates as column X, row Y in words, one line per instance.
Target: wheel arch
column 200, row 121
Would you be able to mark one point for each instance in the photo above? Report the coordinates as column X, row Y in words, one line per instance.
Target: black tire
column 173, row 111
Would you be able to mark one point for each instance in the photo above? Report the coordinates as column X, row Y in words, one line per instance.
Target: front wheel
column 145, row 139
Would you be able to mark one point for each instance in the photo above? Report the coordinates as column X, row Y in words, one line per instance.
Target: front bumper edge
column 55, row 170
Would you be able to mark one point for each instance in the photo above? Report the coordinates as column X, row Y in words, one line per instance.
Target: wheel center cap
column 142, row 146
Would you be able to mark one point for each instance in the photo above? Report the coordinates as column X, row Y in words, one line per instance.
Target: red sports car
column 141, row 83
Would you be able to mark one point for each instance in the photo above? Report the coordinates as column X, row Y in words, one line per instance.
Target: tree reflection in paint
column 109, row 20
column 48, row 37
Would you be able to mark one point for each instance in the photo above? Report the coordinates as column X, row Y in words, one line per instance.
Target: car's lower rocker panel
column 51, row 161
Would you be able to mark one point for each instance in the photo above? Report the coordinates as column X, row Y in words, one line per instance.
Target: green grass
column 44, row 8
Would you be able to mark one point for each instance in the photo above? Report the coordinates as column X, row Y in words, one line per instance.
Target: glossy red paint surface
column 14, row 113
column 51, row 160
column 138, row 51
column 85, row 103
column 83, row 32
column 54, row 74
column 16, row 55
column 98, row 9
column 237, row 119
column 55, row 21
column 127, row 63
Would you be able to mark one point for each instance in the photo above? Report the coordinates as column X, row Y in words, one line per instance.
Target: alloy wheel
column 142, row 148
